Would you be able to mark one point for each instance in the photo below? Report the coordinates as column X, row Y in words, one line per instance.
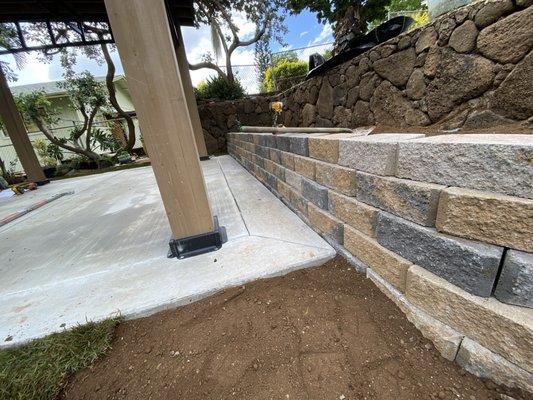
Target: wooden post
column 17, row 132
column 142, row 35
column 189, row 95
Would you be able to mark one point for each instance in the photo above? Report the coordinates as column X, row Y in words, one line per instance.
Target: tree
column 87, row 95
column 332, row 11
column 68, row 56
column 262, row 57
column 219, row 15
column 284, row 73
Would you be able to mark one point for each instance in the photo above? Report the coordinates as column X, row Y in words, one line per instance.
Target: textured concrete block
column 482, row 362
column 262, row 151
column 339, row 178
column 294, row 180
column 325, row 223
column 356, row 214
column 287, row 160
column 305, row 166
column 486, row 216
column 264, row 139
column 515, row 285
column 445, row 339
column 315, row 193
column 284, row 191
column 275, row 156
column 275, row 169
column 415, row 201
column 283, row 142
column 375, row 154
column 299, row 144
column 504, row 329
column 326, row 148
column 387, row 264
column 258, row 160
column 472, row 266
column 497, row 163
column 271, row 181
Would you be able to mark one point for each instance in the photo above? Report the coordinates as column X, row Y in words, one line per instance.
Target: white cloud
column 326, row 34
column 34, row 71
column 302, row 34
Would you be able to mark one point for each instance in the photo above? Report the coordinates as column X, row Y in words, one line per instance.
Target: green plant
column 49, row 153
column 220, row 89
column 106, row 141
column 38, row 370
column 282, row 71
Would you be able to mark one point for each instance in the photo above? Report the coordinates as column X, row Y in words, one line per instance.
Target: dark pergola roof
column 181, row 11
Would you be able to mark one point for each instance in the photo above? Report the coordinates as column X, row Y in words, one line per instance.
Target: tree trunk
column 113, row 98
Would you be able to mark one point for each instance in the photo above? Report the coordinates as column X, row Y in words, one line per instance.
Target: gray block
column 262, row 151
column 260, row 161
column 470, row 265
column 415, row 201
column 294, row 180
column 315, row 193
column 268, row 140
column 283, row 142
column 375, row 154
column 515, row 285
column 271, row 181
column 299, row 144
column 497, row 163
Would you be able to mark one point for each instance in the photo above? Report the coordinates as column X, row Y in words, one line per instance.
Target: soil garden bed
column 322, row 333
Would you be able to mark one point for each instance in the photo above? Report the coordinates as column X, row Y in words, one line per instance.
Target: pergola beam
column 16, row 130
column 144, row 41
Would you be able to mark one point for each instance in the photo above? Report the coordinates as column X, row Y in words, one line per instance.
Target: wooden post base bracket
column 198, row 244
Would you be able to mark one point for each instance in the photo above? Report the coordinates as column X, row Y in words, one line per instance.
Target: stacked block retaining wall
column 443, row 225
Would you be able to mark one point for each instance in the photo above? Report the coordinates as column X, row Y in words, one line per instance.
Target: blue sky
column 304, row 30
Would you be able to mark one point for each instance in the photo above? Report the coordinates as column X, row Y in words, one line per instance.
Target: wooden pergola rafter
column 148, row 37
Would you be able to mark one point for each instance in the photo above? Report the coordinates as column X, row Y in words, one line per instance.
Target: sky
column 304, row 30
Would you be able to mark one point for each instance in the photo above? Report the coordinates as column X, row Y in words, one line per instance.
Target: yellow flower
column 276, row 106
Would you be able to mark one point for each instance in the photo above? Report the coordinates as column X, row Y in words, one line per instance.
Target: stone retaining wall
column 443, row 225
column 470, row 68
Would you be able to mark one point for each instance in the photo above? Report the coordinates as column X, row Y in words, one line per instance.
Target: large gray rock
column 397, row 68
column 427, row 38
column 324, row 103
column 375, row 154
column 482, row 362
column 463, row 38
column 415, row 201
column 470, row 265
column 514, row 96
column 416, row 86
column 459, row 77
column 516, row 279
column 308, row 114
column 368, row 84
column 315, row 193
column 498, row 163
column 492, row 11
column 391, row 108
column 509, row 39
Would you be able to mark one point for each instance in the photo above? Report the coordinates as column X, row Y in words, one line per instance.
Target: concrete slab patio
column 102, row 250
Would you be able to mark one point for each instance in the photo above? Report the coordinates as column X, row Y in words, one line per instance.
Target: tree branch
column 207, row 64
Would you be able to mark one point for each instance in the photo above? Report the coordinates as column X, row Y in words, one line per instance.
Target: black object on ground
column 198, row 244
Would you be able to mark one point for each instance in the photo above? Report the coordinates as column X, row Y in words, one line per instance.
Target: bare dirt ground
column 322, row 333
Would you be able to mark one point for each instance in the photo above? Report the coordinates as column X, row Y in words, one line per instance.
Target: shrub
column 49, row 153
column 220, row 89
column 283, row 74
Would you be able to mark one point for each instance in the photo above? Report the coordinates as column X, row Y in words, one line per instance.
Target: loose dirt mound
column 323, row 333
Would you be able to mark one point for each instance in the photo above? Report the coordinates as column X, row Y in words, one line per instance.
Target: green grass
column 39, row 369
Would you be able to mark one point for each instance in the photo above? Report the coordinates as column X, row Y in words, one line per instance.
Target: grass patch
column 39, row 369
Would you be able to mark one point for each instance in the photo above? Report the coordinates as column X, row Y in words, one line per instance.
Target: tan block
column 275, row 156
column 305, row 166
column 356, row 214
column 504, row 329
column 387, row 264
column 284, row 190
column 336, row 177
column 445, row 339
column 325, row 223
column 287, row 160
column 324, row 149
column 489, row 217
column 274, row 169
